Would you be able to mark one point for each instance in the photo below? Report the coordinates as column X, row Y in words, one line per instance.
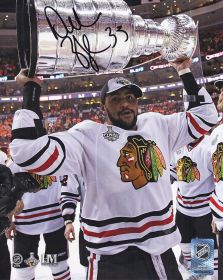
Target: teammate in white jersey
column 72, row 192
column 127, row 216
column 41, row 215
column 216, row 201
column 195, row 184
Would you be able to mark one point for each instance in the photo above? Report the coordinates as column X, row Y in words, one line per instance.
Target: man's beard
column 122, row 124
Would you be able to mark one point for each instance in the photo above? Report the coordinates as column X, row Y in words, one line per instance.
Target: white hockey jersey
column 216, row 150
column 3, row 157
column 128, row 198
column 72, row 191
column 42, row 212
column 195, row 179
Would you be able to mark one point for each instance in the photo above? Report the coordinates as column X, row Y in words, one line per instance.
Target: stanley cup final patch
column 202, row 256
column 110, row 134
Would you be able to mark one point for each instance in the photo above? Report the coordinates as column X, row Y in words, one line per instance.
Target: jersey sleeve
column 216, row 205
column 70, row 196
column 196, row 121
column 58, row 154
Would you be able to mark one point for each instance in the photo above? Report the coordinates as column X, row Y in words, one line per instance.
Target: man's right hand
column 69, row 232
column 10, row 231
column 182, row 63
column 22, row 78
column 214, row 227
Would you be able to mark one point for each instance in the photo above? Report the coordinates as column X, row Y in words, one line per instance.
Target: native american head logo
column 217, row 162
column 44, row 181
column 187, row 170
column 140, row 161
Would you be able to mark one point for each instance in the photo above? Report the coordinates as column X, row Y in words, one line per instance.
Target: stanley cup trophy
column 94, row 36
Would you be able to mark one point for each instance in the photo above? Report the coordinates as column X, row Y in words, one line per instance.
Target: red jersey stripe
column 92, row 266
column 48, row 163
column 119, row 231
column 63, row 277
column 192, row 202
column 216, row 204
column 38, row 214
column 195, row 124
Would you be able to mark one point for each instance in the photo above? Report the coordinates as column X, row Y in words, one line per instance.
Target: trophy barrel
column 94, row 36
column 82, row 36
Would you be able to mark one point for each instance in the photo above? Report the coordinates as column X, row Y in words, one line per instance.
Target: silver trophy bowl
column 94, row 36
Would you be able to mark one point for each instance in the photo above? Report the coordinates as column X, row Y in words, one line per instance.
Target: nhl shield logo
column 202, row 256
column 111, row 135
column 202, row 251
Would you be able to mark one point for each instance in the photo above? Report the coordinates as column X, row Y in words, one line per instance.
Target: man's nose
column 124, row 103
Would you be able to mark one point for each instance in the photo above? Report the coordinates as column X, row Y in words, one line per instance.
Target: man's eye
column 130, row 98
column 115, row 99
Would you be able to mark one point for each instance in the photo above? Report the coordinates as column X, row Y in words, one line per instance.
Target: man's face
column 220, row 101
column 122, row 109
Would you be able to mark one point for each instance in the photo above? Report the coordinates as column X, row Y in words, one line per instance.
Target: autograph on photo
column 82, row 49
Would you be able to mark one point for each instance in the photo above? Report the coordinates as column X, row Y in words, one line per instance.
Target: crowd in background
column 62, row 115
column 210, row 44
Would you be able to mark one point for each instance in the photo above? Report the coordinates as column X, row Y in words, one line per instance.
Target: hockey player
column 216, row 201
column 128, row 222
column 72, row 192
column 195, row 184
column 12, row 187
column 41, row 215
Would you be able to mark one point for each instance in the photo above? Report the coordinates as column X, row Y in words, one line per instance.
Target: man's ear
column 103, row 107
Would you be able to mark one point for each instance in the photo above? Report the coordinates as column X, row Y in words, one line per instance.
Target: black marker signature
column 84, row 57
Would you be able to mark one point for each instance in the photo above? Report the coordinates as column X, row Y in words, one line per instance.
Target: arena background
column 67, row 101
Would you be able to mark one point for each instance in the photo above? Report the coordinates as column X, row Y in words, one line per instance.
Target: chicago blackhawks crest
column 140, row 161
column 187, row 170
column 44, row 181
column 217, row 162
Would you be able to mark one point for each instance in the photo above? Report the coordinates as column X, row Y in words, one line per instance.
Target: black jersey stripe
column 136, row 219
column 150, row 235
column 215, row 214
column 38, row 221
column 36, row 157
column 196, row 196
column 194, row 207
column 204, row 121
column 190, row 131
column 40, row 207
column 68, row 194
column 64, row 152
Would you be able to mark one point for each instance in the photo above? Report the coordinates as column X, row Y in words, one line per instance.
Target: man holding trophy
column 127, row 214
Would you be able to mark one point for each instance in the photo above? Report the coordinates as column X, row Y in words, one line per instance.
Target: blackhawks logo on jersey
column 140, row 161
column 44, row 181
column 217, row 162
column 187, row 170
